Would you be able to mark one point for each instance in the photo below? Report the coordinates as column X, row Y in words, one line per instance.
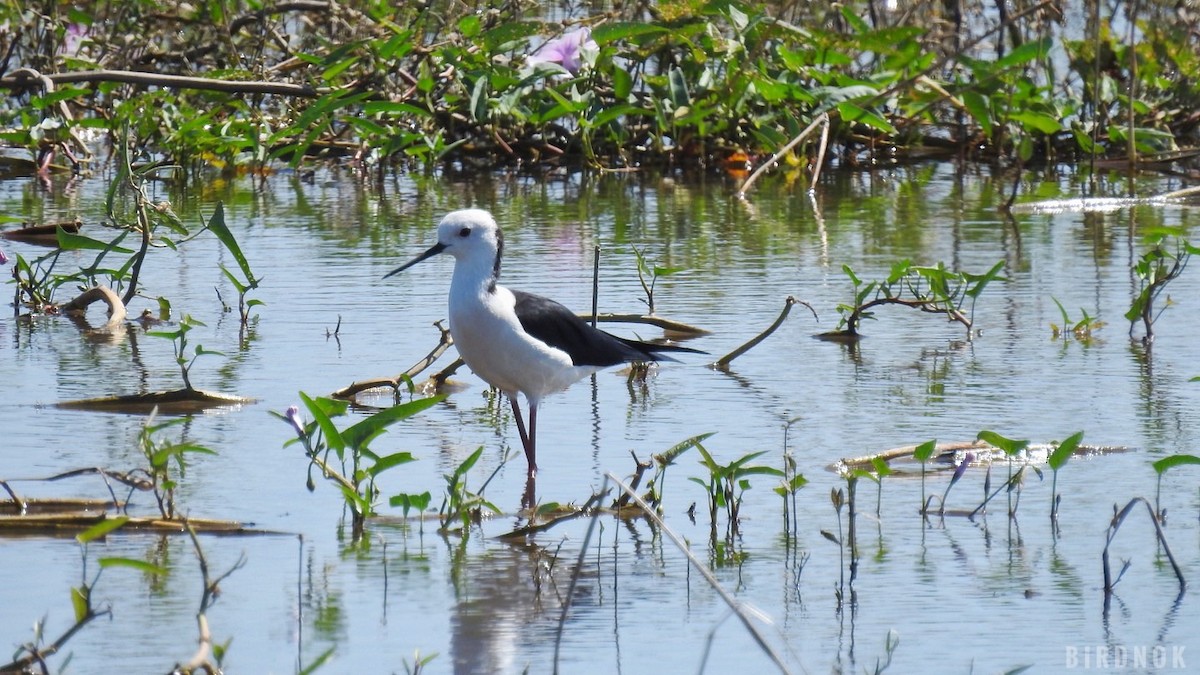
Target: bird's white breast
column 491, row 341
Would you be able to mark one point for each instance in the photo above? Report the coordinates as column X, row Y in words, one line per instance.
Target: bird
column 516, row 341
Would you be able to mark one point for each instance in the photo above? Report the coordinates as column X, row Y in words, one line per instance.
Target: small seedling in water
column 1161, row 467
column 321, row 436
column 179, row 338
column 644, row 270
column 1080, row 330
column 922, row 454
column 1011, row 448
column 460, row 504
column 1155, row 269
column 1058, row 457
column 727, row 483
column 159, row 455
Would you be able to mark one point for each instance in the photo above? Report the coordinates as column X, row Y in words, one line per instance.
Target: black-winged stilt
column 517, row 341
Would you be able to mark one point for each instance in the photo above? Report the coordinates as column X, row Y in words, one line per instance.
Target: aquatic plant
column 1081, row 330
column 159, row 455
column 38, row 651
column 179, row 341
column 922, row 453
column 359, row 465
column 1056, row 459
column 1114, row 526
column 791, row 483
column 838, row 497
column 932, row 289
column 726, row 484
column 1156, row 268
column 1011, row 448
column 657, row 485
column 1161, row 467
column 654, row 272
column 462, row 506
column 216, row 225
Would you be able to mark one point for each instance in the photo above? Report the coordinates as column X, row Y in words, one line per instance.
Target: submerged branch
column 787, row 307
column 116, row 306
column 444, row 342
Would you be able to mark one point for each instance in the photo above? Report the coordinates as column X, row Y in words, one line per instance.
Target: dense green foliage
column 489, row 83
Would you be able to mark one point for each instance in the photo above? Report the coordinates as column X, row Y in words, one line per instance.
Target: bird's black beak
column 433, row 250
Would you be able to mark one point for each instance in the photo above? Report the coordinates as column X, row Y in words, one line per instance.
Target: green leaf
column 667, row 457
column 384, row 463
column 980, row 109
column 1025, row 53
column 394, row 108
column 607, row 33
column 1162, row 465
column 678, row 88
column 216, row 224
column 978, row 282
column 68, row 241
column 479, row 100
column 1063, row 452
column 321, row 414
column 408, row 501
column 507, row 32
column 160, row 458
column 1009, row 446
column 140, row 565
column 853, row 277
column 331, row 72
column 852, row 112
column 924, row 451
column 468, row 463
column 622, row 83
column 359, row 435
column 1036, row 121
column 101, row 528
column 79, row 601
column 881, row 467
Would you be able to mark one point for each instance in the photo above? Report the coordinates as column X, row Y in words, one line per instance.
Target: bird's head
column 468, row 235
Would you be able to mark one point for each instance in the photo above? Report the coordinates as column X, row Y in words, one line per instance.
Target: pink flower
column 3, row 258
column 565, row 50
column 73, row 40
column 297, row 421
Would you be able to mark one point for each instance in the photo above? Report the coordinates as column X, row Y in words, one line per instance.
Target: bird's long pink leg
column 526, row 438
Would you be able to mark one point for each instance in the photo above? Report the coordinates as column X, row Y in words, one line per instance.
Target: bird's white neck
column 474, row 276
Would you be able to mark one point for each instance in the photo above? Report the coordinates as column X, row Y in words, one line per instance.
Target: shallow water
column 963, row 596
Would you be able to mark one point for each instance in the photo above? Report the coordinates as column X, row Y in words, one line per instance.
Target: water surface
column 963, row 596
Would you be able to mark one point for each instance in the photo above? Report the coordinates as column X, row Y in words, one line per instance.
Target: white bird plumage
column 517, row 341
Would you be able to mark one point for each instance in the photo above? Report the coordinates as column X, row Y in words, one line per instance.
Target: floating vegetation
column 931, row 289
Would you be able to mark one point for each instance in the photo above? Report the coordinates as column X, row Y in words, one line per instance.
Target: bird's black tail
column 652, row 351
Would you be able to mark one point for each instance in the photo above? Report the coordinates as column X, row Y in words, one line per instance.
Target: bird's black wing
column 561, row 328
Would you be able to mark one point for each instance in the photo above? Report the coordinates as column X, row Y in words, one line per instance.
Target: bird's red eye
column 465, row 232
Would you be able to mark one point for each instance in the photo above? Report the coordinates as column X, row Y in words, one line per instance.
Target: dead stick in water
column 822, row 120
column 444, row 342
column 787, row 307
